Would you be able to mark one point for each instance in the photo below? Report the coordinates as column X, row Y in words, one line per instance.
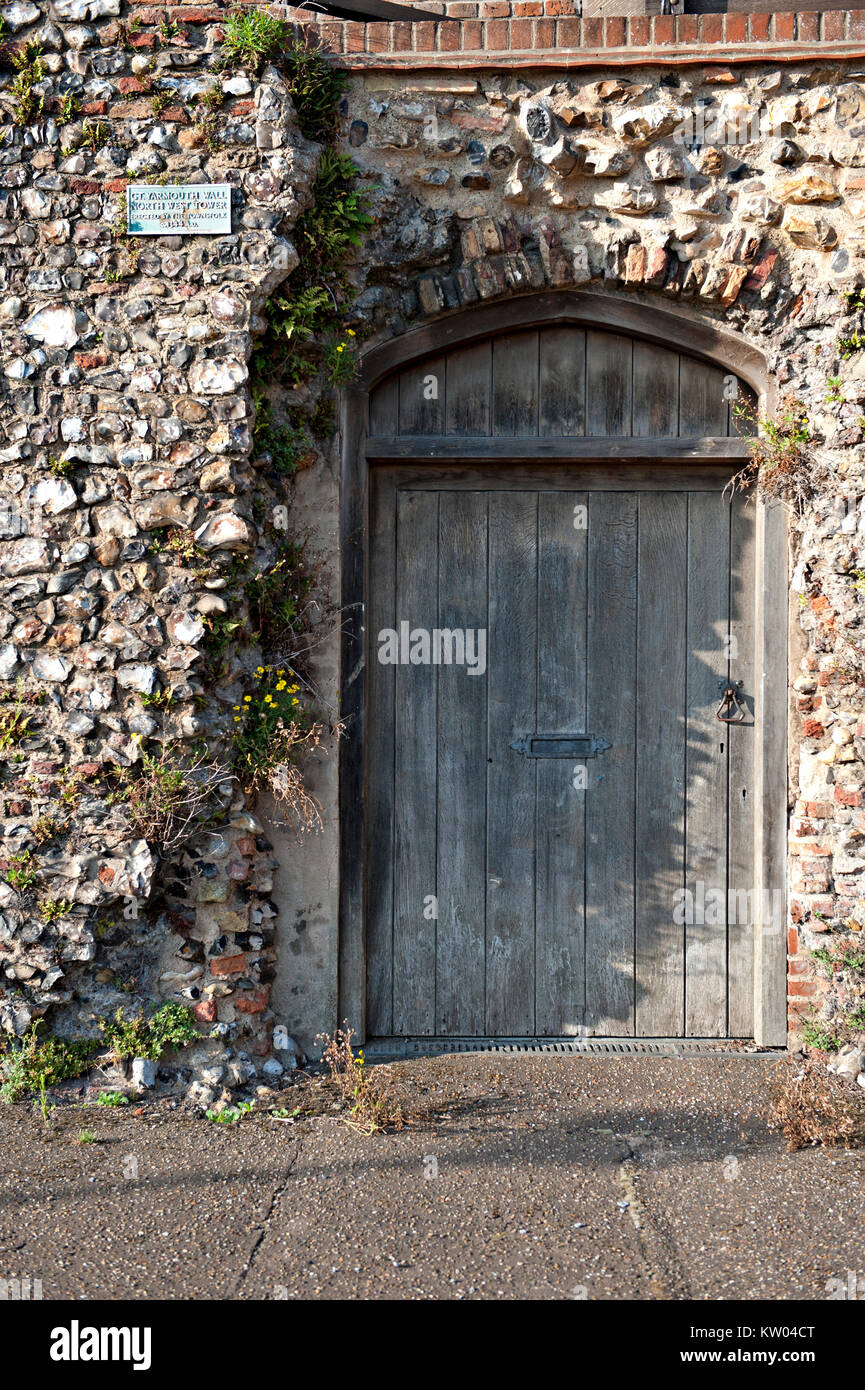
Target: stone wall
column 655, row 166
column 129, row 496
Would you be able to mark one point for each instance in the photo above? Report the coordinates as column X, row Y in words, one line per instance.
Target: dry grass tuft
column 371, row 1107
column 811, row 1107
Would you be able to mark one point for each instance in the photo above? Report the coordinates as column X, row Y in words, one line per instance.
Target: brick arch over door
column 465, row 466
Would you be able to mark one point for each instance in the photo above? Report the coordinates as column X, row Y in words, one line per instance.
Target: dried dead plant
column 781, row 462
column 371, row 1108
column 811, row 1107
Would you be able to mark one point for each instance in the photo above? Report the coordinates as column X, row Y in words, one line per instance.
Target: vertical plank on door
column 656, row 392
column 708, row 762
column 742, row 878
column 515, row 384
column 462, row 764
column 563, row 381
column 468, row 390
column 610, row 714
column 703, row 410
column 384, row 408
column 422, row 398
column 380, row 767
column 660, row 761
column 511, row 713
column 414, row 935
column 560, row 821
column 609, row 373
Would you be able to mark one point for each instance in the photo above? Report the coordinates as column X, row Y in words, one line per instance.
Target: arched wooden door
column 560, row 832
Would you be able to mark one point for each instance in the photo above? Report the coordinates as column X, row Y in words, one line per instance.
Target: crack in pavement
column 275, row 1196
column 667, row 1277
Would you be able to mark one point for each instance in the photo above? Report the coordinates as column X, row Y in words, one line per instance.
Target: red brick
column 856, row 24
column 116, row 185
column 190, row 15
column 687, row 28
column 847, row 798
column 759, row 26
column 331, row 35
column 735, row 28
column 801, row 988
column 130, row 84
column 664, row 29
column 496, row 35
column 94, row 108
column 614, row 33
column 354, row 37
column 377, row 38
column 808, row 27
column 792, row 941
column 142, row 41
column 463, row 11
column 520, row 33
column 639, row 30
column 521, row 11
column 400, row 37
column 253, row 1001
column 593, row 33
column 88, row 360
column 495, row 9
column 228, row 965
column 785, row 27
column 545, row 33
column 449, row 37
column 425, row 37
column 472, row 31
column 205, row 1012
column 711, row 28
column 833, row 25
column 563, row 9
column 567, row 33
column 812, row 728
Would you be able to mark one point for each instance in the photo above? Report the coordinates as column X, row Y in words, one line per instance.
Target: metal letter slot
column 559, row 745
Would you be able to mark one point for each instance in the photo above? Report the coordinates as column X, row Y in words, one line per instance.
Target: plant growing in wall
column 781, row 463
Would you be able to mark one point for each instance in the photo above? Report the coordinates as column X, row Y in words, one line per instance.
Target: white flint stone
column 50, row 668
column 55, row 326
column 217, row 378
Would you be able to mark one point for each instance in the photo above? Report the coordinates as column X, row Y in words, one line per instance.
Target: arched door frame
column 671, row 328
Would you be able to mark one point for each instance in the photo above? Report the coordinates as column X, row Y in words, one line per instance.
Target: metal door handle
column 730, row 709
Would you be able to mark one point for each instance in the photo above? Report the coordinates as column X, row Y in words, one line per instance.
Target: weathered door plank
column 414, row 936
column 742, row 875
column 610, row 714
column 660, row 762
column 708, row 763
column 462, row 764
column 511, row 712
column 560, row 985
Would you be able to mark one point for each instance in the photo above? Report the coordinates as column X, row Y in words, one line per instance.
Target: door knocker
column 730, row 708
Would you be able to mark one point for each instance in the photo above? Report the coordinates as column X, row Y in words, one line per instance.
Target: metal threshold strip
column 389, row 1049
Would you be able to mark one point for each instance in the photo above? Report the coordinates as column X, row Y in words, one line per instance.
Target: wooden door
column 519, row 896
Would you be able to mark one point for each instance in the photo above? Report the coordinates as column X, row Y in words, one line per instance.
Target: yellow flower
column 295, row 701
column 351, row 333
column 237, row 719
column 246, row 699
column 280, row 685
column 340, row 347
